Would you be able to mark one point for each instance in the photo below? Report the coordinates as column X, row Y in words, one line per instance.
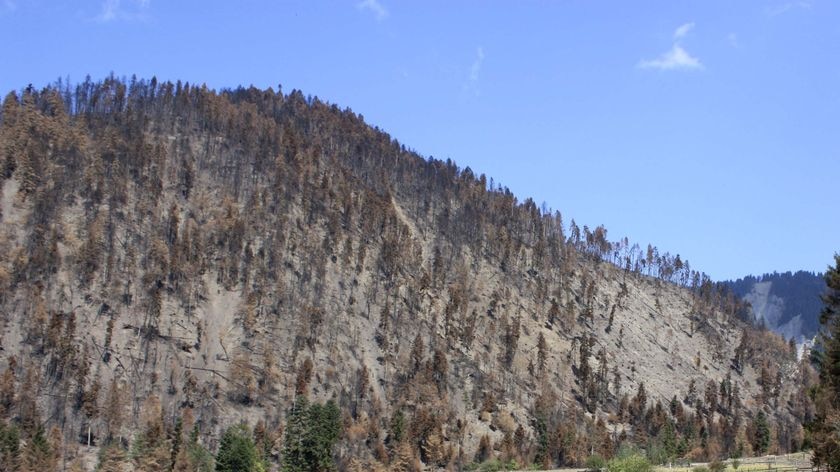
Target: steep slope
column 787, row 303
column 227, row 252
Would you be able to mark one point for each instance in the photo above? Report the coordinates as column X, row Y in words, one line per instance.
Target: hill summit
column 177, row 259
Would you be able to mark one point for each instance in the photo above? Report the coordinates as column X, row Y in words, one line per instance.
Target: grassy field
column 787, row 462
column 784, row 463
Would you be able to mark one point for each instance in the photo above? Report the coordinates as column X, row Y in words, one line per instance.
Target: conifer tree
column 311, row 431
column 541, row 432
column 9, row 448
column 29, row 415
column 152, row 450
column 403, row 460
column 37, row 455
column 761, row 434
column 824, row 434
column 7, row 387
column 416, row 357
column 397, row 428
column 484, row 451
column 434, row 451
column 192, row 455
column 297, row 429
column 237, row 452
column 327, row 422
column 113, row 412
column 112, row 459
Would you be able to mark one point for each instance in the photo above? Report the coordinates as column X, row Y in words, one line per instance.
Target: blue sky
column 707, row 128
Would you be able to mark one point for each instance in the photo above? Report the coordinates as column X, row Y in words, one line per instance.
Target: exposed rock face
column 767, row 307
column 226, row 252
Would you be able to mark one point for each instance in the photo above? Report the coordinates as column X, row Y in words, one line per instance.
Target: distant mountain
column 788, row 303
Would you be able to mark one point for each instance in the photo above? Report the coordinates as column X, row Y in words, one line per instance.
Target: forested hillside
column 185, row 271
column 788, row 303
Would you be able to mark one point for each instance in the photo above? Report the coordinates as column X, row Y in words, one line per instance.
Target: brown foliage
column 304, row 376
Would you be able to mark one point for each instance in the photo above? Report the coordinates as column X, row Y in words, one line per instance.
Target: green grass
column 493, row 465
column 755, row 464
column 742, row 467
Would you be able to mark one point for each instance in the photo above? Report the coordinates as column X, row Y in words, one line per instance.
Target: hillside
column 787, row 303
column 214, row 256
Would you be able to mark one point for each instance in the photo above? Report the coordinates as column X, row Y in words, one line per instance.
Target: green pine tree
column 9, row 447
column 668, row 439
column 397, row 427
column 541, row 432
column 824, row 434
column 237, row 451
column 761, row 440
column 112, row 458
column 297, row 429
column 326, row 431
column 311, row 433
column 192, row 456
column 37, row 454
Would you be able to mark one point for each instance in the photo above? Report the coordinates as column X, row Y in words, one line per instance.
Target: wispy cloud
column 476, row 65
column 683, row 30
column 374, row 7
column 776, row 10
column 109, row 10
column 733, row 40
column 114, row 10
column 475, row 71
column 676, row 58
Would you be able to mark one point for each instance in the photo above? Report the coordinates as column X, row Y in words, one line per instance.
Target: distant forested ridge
column 788, row 303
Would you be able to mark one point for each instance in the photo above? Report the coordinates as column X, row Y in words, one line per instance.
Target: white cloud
column 733, row 40
column 683, row 30
column 776, row 10
column 476, row 65
column 475, row 70
column 117, row 10
column 676, row 58
column 375, row 7
column 109, row 10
